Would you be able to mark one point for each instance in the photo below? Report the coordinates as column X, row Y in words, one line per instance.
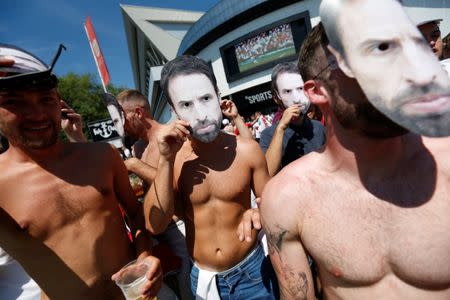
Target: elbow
column 154, row 230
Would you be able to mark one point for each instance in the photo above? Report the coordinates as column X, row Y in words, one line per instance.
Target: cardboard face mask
column 116, row 113
column 195, row 101
column 376, row 43
column 290, row 91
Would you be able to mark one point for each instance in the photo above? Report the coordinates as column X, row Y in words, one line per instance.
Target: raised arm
column 159, row 202
column 230, row 110
column 141, row 169
column 282, row 223
column 274, row 153
column 72, row 123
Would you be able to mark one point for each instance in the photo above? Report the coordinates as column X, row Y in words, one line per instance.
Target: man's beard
column 209, row 136
column 18, row 136
column 435, row 125
column 365, row 118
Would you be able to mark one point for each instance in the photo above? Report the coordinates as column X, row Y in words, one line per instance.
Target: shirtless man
column 141, row 129
column 372, row 209
column 206, row 177
column 59, row 213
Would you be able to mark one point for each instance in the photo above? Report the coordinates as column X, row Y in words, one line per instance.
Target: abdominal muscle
column 212, row 237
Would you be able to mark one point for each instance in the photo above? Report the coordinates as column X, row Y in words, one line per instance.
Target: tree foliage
column 84, row 95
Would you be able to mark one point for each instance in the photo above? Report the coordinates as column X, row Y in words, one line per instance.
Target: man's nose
column 420, row 67
column 200, row 113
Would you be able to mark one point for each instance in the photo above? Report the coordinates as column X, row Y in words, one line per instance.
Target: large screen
column 265, row 47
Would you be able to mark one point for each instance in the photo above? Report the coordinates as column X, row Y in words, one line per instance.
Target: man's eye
column 206, row 98
column 186, row 104
column 383, row 47
column 435, row 36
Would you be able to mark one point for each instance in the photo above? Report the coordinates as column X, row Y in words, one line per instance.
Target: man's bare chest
column 361, row 238
column 43, row 203
column 198, row 183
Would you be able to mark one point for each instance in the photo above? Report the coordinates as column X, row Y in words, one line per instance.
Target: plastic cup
column 131, row 278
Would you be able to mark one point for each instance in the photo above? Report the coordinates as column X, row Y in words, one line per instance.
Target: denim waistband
column 257, row 250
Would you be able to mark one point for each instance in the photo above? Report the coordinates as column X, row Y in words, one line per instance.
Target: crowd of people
column 266, row 42
column 342, row 194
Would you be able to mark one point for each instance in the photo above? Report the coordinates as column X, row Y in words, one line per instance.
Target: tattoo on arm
column 275, row 238
column 296, row 283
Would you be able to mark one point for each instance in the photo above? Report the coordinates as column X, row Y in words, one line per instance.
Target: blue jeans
column 252, row 278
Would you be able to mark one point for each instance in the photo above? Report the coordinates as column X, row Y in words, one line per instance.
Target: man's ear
column 341, row 62
column 139, row 111
column 315, row 92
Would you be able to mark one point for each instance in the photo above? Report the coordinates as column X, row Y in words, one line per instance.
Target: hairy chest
column 360, row 238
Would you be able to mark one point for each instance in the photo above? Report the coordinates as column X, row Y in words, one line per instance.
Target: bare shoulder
column 294, row 189
column 93, row 148
column 248, row 147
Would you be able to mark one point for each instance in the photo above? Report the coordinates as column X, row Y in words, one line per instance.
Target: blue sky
column 40, row 25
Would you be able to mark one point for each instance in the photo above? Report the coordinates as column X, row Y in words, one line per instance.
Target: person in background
column 432, row 34
column 295, row 134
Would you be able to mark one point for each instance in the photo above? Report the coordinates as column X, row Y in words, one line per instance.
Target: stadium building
column 242, row 39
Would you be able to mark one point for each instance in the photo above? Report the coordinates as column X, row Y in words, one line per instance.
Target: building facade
column 244, row 39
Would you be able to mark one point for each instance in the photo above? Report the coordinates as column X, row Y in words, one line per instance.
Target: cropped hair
column 311, row 61
column 132, row 95
column 185, row 65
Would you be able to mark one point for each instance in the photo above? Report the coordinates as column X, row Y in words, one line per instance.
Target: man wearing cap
column 432, row 34
column 59, row 202
column 295, row 134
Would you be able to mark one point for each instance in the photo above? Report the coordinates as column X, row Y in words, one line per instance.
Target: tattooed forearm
column 295, row 283
column 275, row 238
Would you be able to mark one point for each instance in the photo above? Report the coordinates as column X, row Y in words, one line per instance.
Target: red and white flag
column 97, row 52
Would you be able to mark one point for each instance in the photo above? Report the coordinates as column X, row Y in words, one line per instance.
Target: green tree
column 84, row 94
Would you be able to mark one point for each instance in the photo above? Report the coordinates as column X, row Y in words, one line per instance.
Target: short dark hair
column 286, row 67
column 185, row 65
column 311, row 61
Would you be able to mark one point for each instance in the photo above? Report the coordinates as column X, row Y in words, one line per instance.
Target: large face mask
column 391, row 61
column 195, row 101
column 290, row 91
column 116, row 113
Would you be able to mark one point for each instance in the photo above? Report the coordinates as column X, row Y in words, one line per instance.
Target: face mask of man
column 290, row 91
column 116, row 113
column 196, row 101
column 391, row 62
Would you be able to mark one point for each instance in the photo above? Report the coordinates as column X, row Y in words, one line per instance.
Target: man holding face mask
column 368, row 207
column 295, row 134
column 205, row 176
